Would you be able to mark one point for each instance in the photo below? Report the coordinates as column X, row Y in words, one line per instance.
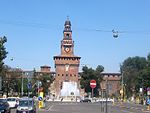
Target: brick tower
column 66, row 64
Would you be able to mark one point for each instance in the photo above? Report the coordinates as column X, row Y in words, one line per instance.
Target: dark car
column 86, row 100
column 4, row 106
column 26, row 105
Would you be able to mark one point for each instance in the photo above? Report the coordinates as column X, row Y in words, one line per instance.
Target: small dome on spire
column 67, row 22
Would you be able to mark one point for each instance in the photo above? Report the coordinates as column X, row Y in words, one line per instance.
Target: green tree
column 46, row 79
column 148, row 60
column 131, row 70
column 11, row 79
column 3, row 52
column 87, row 75
column 144, row 77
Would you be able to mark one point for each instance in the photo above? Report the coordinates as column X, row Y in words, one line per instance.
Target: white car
column 12, row 101
column 26, row 105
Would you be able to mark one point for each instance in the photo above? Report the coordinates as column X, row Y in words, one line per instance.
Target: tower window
column 58, row 74
column 61, row 85
column 62, row 74
column 67, row 35
column 66, row 74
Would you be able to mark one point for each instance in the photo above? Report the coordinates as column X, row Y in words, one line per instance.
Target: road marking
column 50, row 108
column 145, row 110
column 127, row 111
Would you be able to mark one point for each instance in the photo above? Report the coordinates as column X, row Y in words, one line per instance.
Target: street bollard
column 40, row 104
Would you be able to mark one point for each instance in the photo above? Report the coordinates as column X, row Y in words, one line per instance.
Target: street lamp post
column 102, row 104
column 22, row 84
column 7, row 88
column 122, row 87
column 39, row 84
column 106, row 93
column 48, row 82
column 22, row 75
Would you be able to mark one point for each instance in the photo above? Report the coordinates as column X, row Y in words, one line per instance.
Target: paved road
column 128, row 108
column 68, row 107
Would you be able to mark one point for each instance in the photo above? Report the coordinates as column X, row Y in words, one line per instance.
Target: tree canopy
column 136, row 74
column 3, row 52
column 87, row 75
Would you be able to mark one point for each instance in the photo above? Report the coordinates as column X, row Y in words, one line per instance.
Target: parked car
column 104, row 100
column 13, row 102
column 86, row 100
column 4, row 106
column 26, row 105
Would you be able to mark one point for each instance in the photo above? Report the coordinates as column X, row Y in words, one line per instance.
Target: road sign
column 40, row 89
column 40, row 98
column 148, row 92
column 39, row 83
column 93, row 84
column 148, row 89
column 148, row 101
column 141, row 90
column 29, row 85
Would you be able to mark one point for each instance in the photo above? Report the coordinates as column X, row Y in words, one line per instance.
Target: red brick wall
column 66, row 75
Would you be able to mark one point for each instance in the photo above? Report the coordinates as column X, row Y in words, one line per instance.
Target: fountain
column 69, row 90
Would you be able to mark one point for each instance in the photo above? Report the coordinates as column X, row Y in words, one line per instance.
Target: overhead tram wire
column 114, row 32
column 48, row 26
column 26, row 24
column 25, row 59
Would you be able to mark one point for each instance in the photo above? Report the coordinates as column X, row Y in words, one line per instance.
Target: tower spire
column 67, row 25
column 67, row 17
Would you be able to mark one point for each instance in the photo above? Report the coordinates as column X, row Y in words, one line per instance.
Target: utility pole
column 22, row 84
column 106, row 93
column 122, row 84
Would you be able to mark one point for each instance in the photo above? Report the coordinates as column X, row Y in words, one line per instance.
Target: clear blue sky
column 34, row 29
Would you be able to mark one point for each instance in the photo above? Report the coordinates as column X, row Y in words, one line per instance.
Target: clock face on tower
column 67, row 49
